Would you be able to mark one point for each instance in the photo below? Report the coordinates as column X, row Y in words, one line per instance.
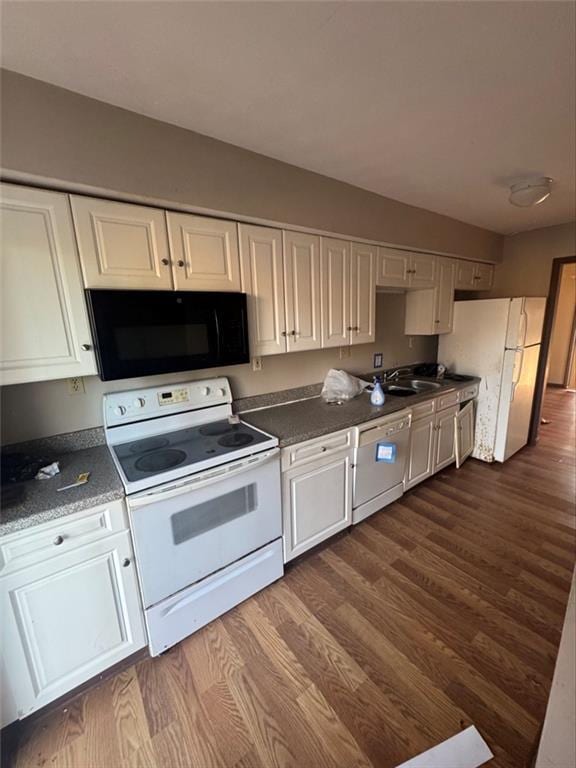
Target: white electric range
column 203, row 494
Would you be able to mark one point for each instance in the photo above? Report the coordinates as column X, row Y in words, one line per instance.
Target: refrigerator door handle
column 519, row 376
column 524, row 325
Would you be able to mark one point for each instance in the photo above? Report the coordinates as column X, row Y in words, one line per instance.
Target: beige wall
column 562, row 328
column 527, row 260
column 38, row 410
column 68, row 139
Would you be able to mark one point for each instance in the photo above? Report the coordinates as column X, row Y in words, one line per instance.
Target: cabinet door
column 44, row 324
column 122, row 245
column 363, row 294
column 263, row 281
column 464, row 434
column 317, row 503
column 204, row 253
column 420, row 463
column 335, row 297
column 302, row 283
column 423, row 270
column 67, row 620
column 484, row 277
column 393, row 268
column 465, row 272
column 445, row 449
column 444, row 298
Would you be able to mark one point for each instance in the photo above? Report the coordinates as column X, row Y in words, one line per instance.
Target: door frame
column 551, row 302
column 571, row 359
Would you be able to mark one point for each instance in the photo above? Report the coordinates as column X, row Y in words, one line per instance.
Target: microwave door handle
column 189, row 484
column 217, row 324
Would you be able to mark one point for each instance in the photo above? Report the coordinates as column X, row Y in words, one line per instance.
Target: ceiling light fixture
column 530, row 192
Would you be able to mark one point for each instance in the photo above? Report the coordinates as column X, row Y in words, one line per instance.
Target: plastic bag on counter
column 340, row 386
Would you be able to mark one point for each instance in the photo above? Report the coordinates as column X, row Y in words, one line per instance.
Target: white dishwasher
column 380, row 453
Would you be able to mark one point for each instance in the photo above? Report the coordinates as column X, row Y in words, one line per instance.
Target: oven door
column 187, row 530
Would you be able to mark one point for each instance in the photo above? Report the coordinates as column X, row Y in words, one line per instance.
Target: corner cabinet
column 45, row 332
column 69, row 617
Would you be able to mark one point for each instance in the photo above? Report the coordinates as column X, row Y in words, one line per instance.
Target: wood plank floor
column 444, row 609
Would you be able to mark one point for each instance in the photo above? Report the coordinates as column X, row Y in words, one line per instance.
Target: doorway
column 560, row 314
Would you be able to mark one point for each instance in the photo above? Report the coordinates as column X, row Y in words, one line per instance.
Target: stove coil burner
column 218, row 428
column 149, row 444
column 235, row 440
column 160, row 460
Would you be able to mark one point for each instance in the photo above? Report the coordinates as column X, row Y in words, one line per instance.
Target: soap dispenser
column 377, row 397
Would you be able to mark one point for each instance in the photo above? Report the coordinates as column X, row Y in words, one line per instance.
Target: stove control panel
column 141, row 404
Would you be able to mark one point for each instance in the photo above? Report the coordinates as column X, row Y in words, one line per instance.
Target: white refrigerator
column 499, row 341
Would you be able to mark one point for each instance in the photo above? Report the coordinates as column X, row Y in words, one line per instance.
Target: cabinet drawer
column 423, row 409
column 469, row 393
column 445, row 401
column 314, row 449
column 41, row 542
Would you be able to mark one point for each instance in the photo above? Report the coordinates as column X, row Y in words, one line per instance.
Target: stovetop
column 157, row 454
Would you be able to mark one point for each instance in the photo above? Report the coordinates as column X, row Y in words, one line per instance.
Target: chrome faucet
column 396, row 373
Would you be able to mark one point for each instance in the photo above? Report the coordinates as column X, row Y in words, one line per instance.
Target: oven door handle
column 190, row 484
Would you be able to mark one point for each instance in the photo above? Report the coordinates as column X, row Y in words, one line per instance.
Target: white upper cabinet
column 335, row 266
column 393, row 268
column 484, row 276
column 473, row 275
column 465, row 273
column 405, row 269
column 263, row 281
column 44, row 324
column 122, row 245
column 363, row 294
column 302, row 286
column 204, row 253
column 423, row 268
column 430, row 311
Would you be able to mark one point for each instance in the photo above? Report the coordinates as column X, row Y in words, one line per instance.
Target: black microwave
column 143, row 333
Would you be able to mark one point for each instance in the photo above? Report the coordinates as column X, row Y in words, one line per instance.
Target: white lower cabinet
column 464, row 433
column 316, row 502
column 445, row 448
column 66, row 619
column 420, row 464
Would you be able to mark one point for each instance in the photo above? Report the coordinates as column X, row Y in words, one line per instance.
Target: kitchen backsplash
column 31, row 411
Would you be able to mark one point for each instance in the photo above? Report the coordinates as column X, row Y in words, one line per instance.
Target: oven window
column 209, row 515
column 156, row 342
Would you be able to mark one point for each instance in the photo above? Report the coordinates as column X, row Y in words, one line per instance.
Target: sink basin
column 398, row 391
column 419, row 385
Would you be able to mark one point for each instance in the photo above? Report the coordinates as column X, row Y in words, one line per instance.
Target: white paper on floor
column 465, row 750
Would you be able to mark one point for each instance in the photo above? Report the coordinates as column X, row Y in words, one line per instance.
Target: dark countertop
column 42, row 501
column 296, row 422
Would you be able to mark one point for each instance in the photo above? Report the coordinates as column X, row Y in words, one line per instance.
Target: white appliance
column 380, row 453
column 498, row 340
column 203, row 494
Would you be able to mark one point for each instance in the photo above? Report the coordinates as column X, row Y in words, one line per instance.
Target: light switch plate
column 378, row 360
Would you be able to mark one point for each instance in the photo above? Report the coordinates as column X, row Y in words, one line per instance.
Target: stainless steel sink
column 419, row 385
column 398, row 391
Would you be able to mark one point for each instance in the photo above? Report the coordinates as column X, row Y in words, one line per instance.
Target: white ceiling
column 440, row 105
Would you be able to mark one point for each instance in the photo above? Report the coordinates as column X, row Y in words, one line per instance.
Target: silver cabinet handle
column 284, row 333
column 324, row 449
column 86, row 347
column 58, row 540
column 350, row 328
column 126, row 562
column 180, row 263
column 165, row 262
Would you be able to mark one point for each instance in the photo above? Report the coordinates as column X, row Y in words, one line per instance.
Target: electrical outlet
column 345, row 352
column 378, row 360
column 76, row 386
column 256, row 363
column 410, row 342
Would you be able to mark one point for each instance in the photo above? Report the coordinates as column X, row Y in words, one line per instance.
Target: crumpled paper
column 45, row 473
